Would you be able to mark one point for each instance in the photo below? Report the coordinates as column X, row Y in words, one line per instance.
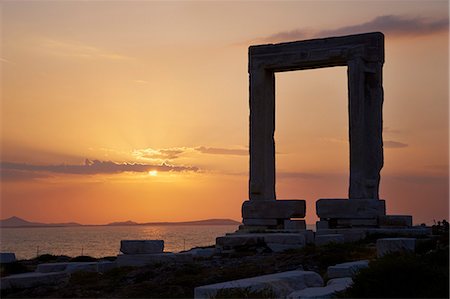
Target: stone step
column 280, row 284
column 333, row 286
column 346, row 269
column 273, row 209
column 34, row 279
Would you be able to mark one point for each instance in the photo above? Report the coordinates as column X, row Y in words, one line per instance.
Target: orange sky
column 91, row 88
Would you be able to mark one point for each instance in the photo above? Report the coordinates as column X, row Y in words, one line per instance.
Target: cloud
column 77, row 50
column 159, row 154
column 393, row 144
column 390, row 25
column 222, row 151
column 11, row 170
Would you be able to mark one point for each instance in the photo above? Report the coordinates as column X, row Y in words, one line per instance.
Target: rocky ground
column 429, row 265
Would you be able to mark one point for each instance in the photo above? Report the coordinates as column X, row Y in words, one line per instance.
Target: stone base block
column 273, row 209
column 7, row 257
column 390, row 245
column 327, row 239
column 395, row 220
column 350, row 208
column 34, row 279
column 295, row 224
column 141, row 246
column 139, row 260
column 280, row 284
column 355, row 234
column 260, row 222
column 371, row 222
column 322, row 224
column 346, row 269
column 333, row 286
column 263, row 239
column 275, row 247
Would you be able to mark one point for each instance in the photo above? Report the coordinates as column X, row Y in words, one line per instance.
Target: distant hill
column 123, row 223
column 19, row 222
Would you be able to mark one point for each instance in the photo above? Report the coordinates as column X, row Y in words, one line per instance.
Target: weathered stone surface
column 51, row 267
column 295, row 224
column 326, row 239
column 346, row 269
column 350, row 208
column 322, row 224
column 395, row 220
column 390, row 245
column 202, row 252
column 260, row 222
column 139, row 260
column 333, row 286
column 364, row 56
column 34, row 279
column 240, row 240
column 7, row 257
column 82, row 266
column 263, row 239
column 371, row 222
column 273, row 209
column 141, row 246
column 285, row 238
column 277, row 247
column 281, row 284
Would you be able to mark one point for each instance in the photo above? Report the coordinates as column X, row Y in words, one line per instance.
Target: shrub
column 404, row 276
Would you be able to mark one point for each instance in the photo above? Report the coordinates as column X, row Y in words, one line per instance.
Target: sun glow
column 153, row 173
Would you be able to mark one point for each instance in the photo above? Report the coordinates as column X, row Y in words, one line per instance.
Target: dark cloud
column 393, row 144
column 390, row 25
column 11, row 170
column 222, row 151
column 162, row 154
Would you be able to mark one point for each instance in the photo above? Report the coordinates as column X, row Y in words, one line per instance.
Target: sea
column 102, row 241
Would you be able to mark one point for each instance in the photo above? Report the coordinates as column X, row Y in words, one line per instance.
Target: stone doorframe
column 363, row 54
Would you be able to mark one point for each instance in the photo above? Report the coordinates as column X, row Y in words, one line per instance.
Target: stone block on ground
column 202, row 252
column 34, row 279
column 7, row 257
column 82, row 266
column 346, row 269
column 395, row 220
column 391, row 245
column 294, row 224
column 139, row 260
column 141, row 246
column 280, row 284
column 273, row 209
column 277, row 247
column 51, row 267
column 322, row 224
column 328, row 208
column 327, row 239
column 333, row 286
column 370, row 222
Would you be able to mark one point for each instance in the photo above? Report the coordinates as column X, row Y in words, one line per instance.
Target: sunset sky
column 121, row 110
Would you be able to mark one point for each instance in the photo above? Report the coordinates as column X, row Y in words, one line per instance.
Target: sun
column 153, row 172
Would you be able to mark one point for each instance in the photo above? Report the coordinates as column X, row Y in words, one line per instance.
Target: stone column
column 262, row 129
column 365, row 127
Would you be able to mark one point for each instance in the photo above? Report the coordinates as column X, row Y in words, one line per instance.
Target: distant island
column 19, row 222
